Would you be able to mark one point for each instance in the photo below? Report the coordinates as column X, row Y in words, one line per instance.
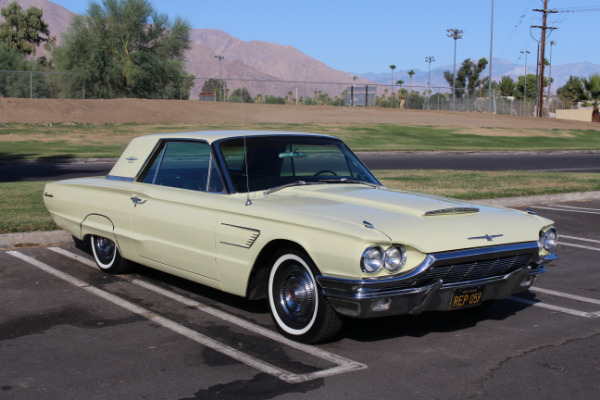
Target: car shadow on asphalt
column 361, row 330
column 420, row 325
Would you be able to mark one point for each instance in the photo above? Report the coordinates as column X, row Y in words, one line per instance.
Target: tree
column 216, row 86
column 410, row 75
column 572, row 91
column 507, row 86
column 467, row 76
column 592, row 93
column 22, row 30
column 392, row 67
column 126, row 49
column 240, row 95
column 531, row 83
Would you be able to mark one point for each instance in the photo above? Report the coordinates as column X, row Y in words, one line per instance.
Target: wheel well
column 259, row 277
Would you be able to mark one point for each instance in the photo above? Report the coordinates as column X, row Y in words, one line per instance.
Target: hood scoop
column 452, row 211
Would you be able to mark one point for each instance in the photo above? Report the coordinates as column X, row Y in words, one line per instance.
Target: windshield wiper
column 350, row 180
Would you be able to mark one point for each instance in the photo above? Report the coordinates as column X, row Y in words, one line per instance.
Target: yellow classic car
column 298, row 219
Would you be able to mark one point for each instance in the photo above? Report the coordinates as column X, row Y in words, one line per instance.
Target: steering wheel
column 323, row 171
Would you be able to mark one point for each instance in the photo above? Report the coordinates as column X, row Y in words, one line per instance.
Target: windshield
column 273, row 161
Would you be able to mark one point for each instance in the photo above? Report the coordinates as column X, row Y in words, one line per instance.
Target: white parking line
column 568, row 210
column 344, row 365
column 579, row 246
column 580, row 239
column 565, row 295
column 577, row 208
column 537, row 303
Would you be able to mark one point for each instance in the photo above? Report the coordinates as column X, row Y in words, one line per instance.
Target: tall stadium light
column 454, row 34
column 490, row 78
column 353, row 78
column 429, row 60
column 220, row 58
column 525, row 80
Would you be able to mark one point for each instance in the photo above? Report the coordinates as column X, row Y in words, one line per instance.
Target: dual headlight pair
column 374, row 259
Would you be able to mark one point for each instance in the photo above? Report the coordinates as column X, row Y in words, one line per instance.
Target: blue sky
column 368, row 36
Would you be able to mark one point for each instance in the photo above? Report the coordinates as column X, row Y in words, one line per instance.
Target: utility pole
column 544, row 28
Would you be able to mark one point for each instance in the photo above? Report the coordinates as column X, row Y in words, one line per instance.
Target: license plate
column 469, row 297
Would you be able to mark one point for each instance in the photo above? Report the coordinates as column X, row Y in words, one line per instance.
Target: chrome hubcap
column 297, row 295
column 105, row 249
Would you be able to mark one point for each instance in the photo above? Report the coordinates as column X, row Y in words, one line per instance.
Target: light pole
column 552, row 43
column 525, row 80
column 454, row 34
column 220, row 58
column 429, row 60
column 490, row 78
column 353, row 78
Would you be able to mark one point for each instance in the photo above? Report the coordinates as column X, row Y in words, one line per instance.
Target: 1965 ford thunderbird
column 297, row 219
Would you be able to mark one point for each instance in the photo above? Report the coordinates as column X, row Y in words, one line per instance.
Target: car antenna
column 248, row 201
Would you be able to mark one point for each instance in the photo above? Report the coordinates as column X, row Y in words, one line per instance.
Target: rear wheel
column 297, row 305
column 107, row 255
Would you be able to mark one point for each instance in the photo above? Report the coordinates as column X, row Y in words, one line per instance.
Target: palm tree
column 399, row 83
column 410, row 74
column 592, row 93
column 392, row 67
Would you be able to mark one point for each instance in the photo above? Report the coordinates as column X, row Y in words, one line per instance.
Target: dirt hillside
column 118, row 111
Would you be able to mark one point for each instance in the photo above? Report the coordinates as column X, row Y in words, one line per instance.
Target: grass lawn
column 22, row 208
column 21, row 141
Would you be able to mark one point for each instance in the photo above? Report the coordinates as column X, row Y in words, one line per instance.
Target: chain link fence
column 46, row 85
column 41, row 84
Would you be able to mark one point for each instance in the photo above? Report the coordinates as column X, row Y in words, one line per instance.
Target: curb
column 55, row 238
column 34, row 239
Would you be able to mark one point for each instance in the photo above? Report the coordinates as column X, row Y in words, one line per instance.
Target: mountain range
column 261, row 66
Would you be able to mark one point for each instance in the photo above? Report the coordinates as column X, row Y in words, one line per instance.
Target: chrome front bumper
column 419, row 290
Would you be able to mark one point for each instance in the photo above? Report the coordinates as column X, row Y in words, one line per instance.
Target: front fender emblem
column 131, row 159
column 489, row 238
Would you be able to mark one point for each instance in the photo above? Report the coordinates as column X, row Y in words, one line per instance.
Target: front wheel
column 297, row 305
column 107, row 255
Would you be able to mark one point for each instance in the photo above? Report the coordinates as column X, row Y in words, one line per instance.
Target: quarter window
column 185, row 165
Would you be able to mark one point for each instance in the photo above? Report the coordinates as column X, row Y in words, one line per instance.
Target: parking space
column 69, row 331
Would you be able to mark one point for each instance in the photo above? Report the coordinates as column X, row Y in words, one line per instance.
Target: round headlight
column 549, row 239
column 372, row 260
column 395, row 258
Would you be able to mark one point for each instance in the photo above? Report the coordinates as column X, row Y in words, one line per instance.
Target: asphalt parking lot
column 69, row 331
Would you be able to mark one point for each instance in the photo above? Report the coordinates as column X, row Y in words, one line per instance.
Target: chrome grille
column 479, row 269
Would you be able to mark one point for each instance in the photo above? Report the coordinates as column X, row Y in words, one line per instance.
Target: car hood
column 427, row 223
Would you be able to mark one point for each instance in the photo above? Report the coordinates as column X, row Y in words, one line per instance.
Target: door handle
column 137, row 200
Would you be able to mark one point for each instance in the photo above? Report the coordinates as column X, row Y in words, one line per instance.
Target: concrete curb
column 56, row 238
column 30, row 239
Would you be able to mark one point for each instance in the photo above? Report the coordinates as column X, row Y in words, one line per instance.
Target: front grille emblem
column 489, row 238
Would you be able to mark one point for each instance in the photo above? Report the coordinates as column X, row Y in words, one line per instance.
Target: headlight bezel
column 548, row 239
column 369, row 260
column 374, row 259
column 401, row 258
